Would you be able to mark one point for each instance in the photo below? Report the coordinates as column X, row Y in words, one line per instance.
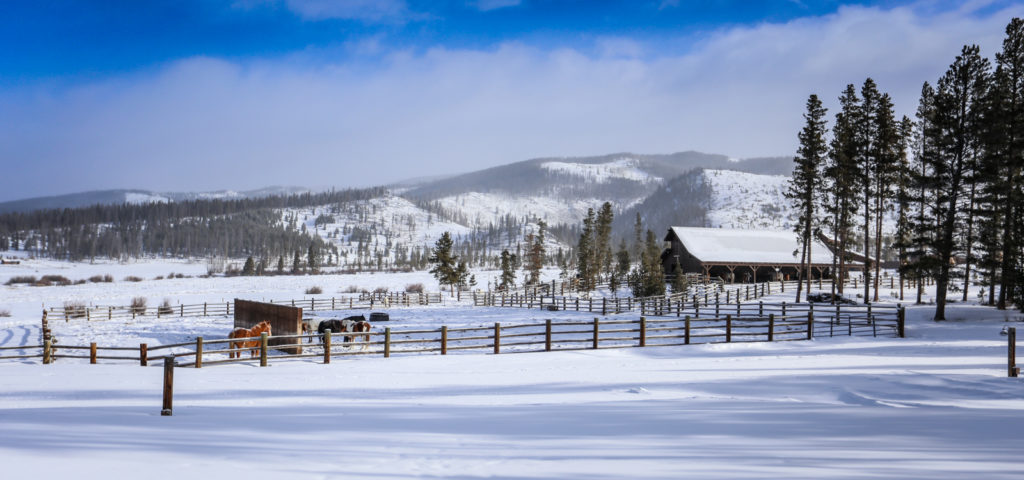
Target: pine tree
column 508, row 274
column 884, row 171
column 296, row 263
column 957, row 111
column 249, row 268
column 840, row 202
column 535, row 253
column 805, row 181
column 313, row 258
column 603, row 236
column 679, row 283
column 585, row 249
column 446, row 265
column 1009, row 121
column 902, row 240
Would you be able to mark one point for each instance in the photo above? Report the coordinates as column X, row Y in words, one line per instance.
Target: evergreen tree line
column 193, row 228
column 952, row 176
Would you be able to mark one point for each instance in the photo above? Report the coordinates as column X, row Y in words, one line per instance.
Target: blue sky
column 196, row 95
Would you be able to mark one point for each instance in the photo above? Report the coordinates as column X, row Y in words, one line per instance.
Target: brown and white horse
column 353, row 324
column 240, row 332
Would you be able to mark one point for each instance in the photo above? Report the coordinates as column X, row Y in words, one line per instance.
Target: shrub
column 132, row 278
column 158, row 277
column 22, row 279
column 55, row 280
column 96, row 278
column 80, row 282
column 414, row 288
column 165, row 308
column 380, row 290
column 179, row 275
column 139, row 305
column 74, row 309
column 314, row 290
column 5, row 313
column 351, row 289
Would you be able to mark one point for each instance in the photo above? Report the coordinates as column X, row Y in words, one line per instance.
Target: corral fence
column 694, row 298
column 747, row 322
column 209, row 309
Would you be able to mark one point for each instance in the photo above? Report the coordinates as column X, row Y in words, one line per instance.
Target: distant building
column 742, row 255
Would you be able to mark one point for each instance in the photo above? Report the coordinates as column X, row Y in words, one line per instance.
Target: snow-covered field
column 936, row 404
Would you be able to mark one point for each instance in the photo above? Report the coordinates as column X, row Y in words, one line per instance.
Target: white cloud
column 206, row 123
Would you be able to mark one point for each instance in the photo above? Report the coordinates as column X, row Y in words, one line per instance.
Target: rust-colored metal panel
column 284, row 320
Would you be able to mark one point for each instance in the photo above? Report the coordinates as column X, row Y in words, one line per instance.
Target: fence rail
column 210, row 309
column 741, row 325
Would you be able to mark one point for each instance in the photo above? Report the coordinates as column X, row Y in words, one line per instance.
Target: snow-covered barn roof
column 734, row 246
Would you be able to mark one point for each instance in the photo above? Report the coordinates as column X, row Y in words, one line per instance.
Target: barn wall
column 284, row 320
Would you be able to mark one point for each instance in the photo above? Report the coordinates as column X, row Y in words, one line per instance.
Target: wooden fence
column 207, row 309
column 770, row 322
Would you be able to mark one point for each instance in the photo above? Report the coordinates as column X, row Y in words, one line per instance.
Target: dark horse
column 353, row 324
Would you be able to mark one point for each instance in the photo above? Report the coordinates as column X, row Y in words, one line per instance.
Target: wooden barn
column 741, row 255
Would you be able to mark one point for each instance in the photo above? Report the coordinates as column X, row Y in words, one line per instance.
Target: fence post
column 387, row 342
column 1011, row 352
column 760, row 308
column 199, row 352
column 181, row 309
column 47, row 348
column 497, row 338
column 728, row 328
column 327, row 346
column 168, row 386
column 771, row 327
column 643, row 332
column 900, row 320
column 547, row 335
column 604, row 306
column 596, row 329
column 204, row 309
column 444, row 340
column 92, row 353
column 687, row 335
column 810, row 325
column 143, row 355
column 263, row 349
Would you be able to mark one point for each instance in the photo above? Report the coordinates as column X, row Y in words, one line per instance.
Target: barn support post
column 166, row 410
column 444, row 340
column 327, row 346
column 143, row 354
column 547, row 335
column 643, row 332
column 199, row 352
column 263, row 349
column 1011, row 352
